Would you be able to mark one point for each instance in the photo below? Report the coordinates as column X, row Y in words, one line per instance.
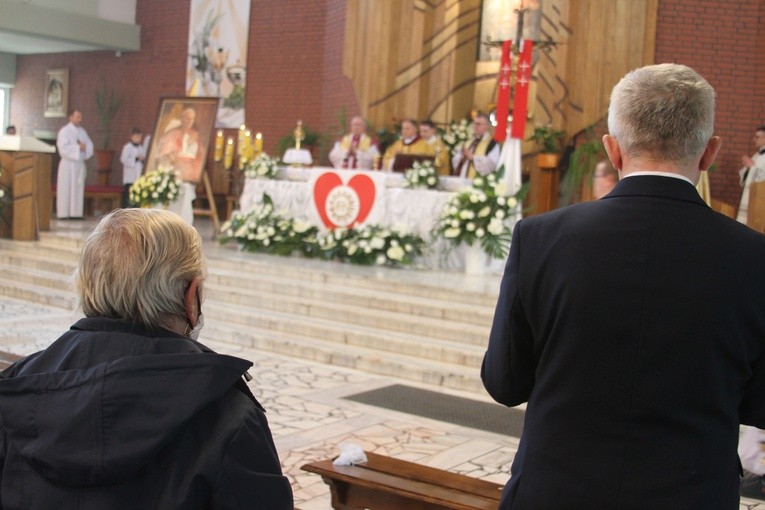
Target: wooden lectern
column 26, row 164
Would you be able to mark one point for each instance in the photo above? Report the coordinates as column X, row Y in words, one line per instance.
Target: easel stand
column 212, row 210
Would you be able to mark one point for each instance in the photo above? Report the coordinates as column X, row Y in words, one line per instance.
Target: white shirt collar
column 660, row 174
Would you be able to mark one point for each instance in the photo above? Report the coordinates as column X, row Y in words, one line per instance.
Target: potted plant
column 108, row 103
column 548, row 140
column 581, row 164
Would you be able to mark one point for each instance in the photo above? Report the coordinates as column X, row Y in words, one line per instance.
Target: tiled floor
column 308, row 416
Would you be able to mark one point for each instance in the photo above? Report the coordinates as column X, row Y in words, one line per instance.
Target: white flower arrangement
column 479, row 214
column 158, row 187
column 457, row 134
column 421, row 175
column 263, row 166
column 377, row 245
column 262, row 229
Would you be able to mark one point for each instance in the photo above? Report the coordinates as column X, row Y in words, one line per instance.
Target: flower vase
column 476, row 260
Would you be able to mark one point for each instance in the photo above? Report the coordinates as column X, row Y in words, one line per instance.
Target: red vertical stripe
column 522, row 81
column 503, row 92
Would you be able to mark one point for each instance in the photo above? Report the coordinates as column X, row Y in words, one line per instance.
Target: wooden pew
column 7, row 359
column 385, row 483
column 108, row 197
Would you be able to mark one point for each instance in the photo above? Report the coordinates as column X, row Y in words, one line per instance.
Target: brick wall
column 723, row 42
column 295, row 70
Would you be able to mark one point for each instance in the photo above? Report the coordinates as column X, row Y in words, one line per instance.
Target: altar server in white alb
column 132, row 159
column 74, row 147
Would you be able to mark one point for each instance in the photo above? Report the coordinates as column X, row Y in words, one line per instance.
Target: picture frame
column 181, row 135
column 56, row 94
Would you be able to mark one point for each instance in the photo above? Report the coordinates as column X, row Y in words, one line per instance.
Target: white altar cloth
column 417, row 209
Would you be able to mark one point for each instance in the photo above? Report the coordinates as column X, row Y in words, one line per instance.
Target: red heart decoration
column 321, row 188
column 362, row 184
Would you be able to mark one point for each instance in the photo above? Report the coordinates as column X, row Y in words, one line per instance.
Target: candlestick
column 228, row 158
column 219, row 142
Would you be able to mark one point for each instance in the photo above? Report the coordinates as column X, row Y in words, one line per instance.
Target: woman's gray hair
column 136, row 266
column 663, row 111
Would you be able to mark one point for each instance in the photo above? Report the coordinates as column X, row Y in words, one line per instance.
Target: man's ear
column 710, row 153
column 190, row 301
column 614, row 151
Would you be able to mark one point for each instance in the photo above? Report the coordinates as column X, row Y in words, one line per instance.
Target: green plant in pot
column 548, row 139
column 581, row 164
column 108, row 103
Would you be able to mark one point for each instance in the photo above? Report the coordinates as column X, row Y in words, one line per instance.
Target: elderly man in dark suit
column 634, row 326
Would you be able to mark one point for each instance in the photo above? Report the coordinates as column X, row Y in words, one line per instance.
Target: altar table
column 417, row 209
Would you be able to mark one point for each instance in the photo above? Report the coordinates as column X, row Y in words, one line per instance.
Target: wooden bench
column 7, row 359
column 385, row 483
column 108, row 197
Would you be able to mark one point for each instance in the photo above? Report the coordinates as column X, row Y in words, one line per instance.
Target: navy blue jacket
column 634, row 327
column 112, row 415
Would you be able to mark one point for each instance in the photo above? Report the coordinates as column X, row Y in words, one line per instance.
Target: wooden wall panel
column 411, row 58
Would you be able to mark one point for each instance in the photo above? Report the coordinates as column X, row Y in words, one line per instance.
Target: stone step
column 42, row 249
column 30, row 260
column 42, row 278
column 38, row 294
column 339, row 334
column 344, row 295
column 373, row 361
column 400, row 281
column 351, row 314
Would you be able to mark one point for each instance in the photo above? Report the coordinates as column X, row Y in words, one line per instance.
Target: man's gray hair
column 136, row 266
column 664, row 111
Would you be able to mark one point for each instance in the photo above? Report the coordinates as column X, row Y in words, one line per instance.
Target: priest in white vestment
column 74, row 146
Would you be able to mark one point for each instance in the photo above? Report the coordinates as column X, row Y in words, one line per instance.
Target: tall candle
column 228, row 159
column 219, row 145
column 240, row 141
column 258, row 143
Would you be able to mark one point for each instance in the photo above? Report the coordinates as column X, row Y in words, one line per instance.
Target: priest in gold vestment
column 355, row 150
column 409, row 143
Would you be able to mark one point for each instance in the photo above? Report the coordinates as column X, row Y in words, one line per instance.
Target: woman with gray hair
column 127, row 409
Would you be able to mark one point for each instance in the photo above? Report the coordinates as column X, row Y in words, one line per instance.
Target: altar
column 417, row 209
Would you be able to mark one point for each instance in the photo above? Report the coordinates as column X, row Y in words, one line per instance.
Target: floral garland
column 421, row 175
column 261, row 229
column 158, row 187
column 479, row 214
column 457, row 134
column 374, row 244
column 263, row 166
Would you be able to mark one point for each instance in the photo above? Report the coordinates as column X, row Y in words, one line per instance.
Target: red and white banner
column 522, row 82
column 503, row 91
column 345, row 198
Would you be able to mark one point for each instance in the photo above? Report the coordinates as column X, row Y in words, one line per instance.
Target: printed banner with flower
column 158, row 187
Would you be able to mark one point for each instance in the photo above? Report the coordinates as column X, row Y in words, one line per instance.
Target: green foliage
column 235, row 100
column 581, row 164
column 108, row 103
column 548, row 139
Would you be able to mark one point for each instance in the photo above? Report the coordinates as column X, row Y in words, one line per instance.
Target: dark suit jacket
column 634, row 326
